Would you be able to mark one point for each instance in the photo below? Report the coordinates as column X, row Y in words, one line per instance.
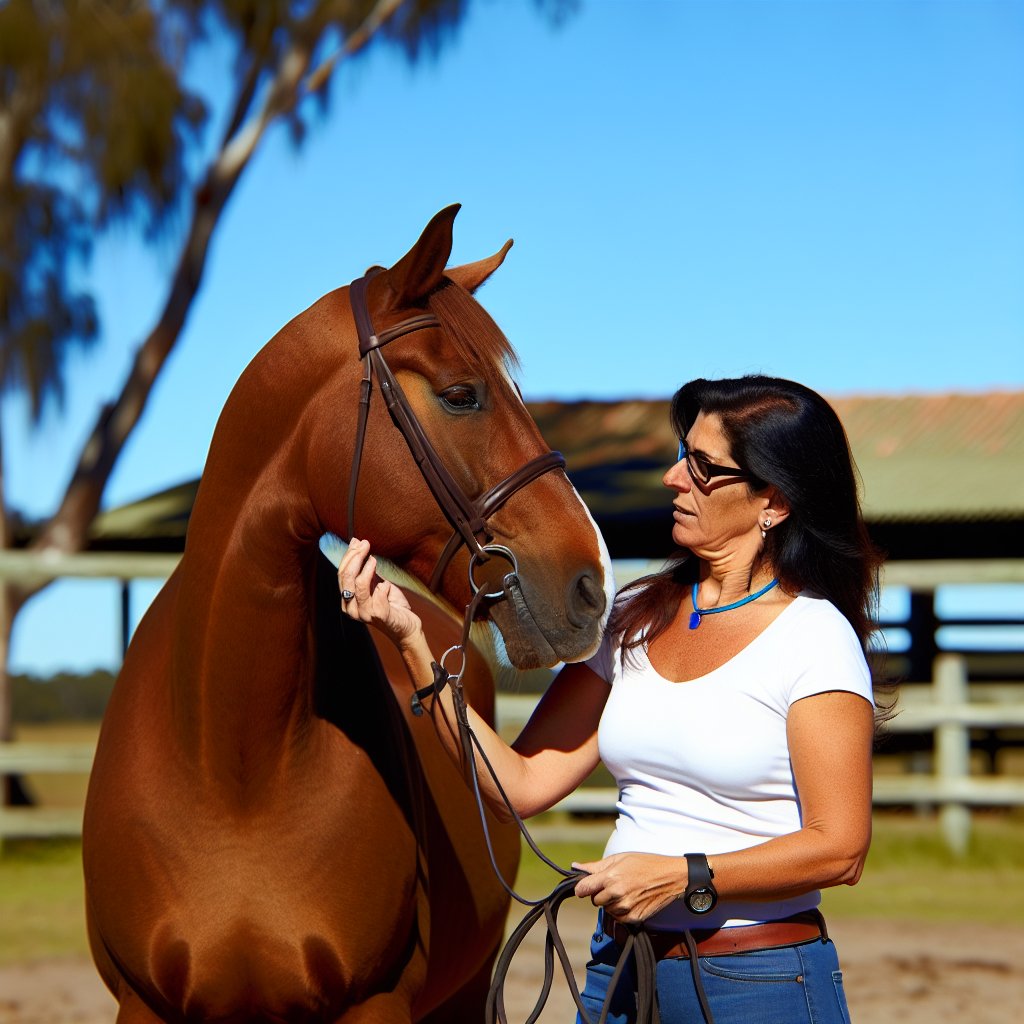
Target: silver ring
column 347, row 595
column 462, row 666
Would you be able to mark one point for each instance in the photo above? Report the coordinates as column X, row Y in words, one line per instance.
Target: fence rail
column 949, row 707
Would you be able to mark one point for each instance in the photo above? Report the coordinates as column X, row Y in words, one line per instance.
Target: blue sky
column 830, row 190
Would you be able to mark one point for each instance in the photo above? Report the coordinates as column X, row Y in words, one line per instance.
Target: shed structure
column 942, row 483
column 942, row 475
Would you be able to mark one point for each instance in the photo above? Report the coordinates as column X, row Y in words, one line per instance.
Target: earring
column 767, row 526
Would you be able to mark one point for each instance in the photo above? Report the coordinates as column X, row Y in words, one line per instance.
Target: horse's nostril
column 585, row 600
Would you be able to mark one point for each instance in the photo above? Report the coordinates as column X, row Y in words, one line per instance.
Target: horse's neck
column 243, row 657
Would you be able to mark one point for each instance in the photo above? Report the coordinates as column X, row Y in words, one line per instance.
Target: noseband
column 467, row 516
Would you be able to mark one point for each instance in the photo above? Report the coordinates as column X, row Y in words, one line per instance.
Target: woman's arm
column 556, row 750
column 830, row 736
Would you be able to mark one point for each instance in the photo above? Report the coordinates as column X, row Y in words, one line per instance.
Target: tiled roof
column 155, row 522
column 939, row 456
column 921, row 457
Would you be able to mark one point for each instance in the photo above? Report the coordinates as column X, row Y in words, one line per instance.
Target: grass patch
column 536, row 879
column 910, row 876
column 42, row 913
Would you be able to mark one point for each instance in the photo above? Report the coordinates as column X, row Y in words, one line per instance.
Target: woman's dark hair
column 788, row 437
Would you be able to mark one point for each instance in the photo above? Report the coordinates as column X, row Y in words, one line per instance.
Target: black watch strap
column 700, row 895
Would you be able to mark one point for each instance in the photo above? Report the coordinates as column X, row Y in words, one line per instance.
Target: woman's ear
column 776, row 507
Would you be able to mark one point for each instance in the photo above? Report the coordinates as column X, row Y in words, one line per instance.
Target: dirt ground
column 909, row 973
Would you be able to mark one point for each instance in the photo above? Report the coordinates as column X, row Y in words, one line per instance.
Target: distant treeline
column 65, row 697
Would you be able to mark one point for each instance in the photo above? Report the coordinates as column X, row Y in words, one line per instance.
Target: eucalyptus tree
column 100, row 123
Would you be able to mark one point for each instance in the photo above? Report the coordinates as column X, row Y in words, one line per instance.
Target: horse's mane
column 468, row 327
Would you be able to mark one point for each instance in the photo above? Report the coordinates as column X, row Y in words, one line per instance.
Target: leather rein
column 468, row 518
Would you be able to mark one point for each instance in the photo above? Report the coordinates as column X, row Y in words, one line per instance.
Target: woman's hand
column 375, row 601
column 632, row 886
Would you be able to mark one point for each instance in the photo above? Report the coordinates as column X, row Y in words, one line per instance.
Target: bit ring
column 491, row 549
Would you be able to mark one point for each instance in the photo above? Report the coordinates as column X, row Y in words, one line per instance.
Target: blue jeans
column 799, row 984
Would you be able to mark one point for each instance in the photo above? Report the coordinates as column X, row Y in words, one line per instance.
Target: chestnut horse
column 269, row 834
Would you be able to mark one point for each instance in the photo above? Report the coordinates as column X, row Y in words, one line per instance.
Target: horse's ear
column 420, row 270
column 472, row 275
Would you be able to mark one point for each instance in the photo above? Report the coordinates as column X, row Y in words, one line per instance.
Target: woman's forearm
column 508, row 765
column 633, row 886
column 555, row 751
column 791, row 865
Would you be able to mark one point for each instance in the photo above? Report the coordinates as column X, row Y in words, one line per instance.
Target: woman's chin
column 681, row 536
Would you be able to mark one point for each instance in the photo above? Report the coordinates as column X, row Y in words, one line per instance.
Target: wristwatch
column 700, row 896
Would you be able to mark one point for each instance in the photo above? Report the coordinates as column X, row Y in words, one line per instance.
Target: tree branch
column 68, row 528
column 382, row 11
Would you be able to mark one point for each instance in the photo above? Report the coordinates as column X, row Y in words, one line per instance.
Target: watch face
column 700, row 901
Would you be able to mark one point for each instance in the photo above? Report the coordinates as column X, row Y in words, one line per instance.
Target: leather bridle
column 468, row 516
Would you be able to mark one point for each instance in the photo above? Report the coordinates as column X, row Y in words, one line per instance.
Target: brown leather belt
column 787, row 931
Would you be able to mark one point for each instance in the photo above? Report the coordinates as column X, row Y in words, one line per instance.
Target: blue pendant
column 694, row 620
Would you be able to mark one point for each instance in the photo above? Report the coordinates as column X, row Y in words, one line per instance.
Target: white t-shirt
column 703, row 766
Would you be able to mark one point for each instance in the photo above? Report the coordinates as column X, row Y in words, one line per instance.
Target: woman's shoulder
column 809, row 607
column 813, row 629
column 610, row 662
column 602, row 661
column 822, row 648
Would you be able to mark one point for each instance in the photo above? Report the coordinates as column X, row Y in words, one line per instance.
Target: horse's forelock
column 472, row 333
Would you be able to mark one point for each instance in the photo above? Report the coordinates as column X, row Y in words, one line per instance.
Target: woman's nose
column 677, row 476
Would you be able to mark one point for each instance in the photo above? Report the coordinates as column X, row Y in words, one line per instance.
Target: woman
column 732, row 701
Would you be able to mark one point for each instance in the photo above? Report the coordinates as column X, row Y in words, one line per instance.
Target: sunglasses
column 702, row 470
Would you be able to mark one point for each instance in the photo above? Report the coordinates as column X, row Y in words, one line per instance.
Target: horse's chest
column 309, row 859
column 243, row 970
column 300, row 899
column 244, row 926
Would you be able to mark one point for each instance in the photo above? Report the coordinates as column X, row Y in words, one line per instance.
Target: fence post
column 922, row 624
column 952, row 749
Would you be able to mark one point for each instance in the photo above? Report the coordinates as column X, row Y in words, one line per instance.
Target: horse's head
column 452, row 371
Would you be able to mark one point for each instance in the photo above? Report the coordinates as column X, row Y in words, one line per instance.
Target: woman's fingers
column 352, row 560
column 351, row 566
column 364, row 595
column 632, row 886
column 367, row 597
column 594, row 884
column 364, row 587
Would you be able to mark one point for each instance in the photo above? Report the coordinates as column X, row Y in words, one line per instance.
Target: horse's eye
column 461, row 398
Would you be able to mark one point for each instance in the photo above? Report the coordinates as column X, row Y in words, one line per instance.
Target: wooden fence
column 949, row 707
column 43, row 758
